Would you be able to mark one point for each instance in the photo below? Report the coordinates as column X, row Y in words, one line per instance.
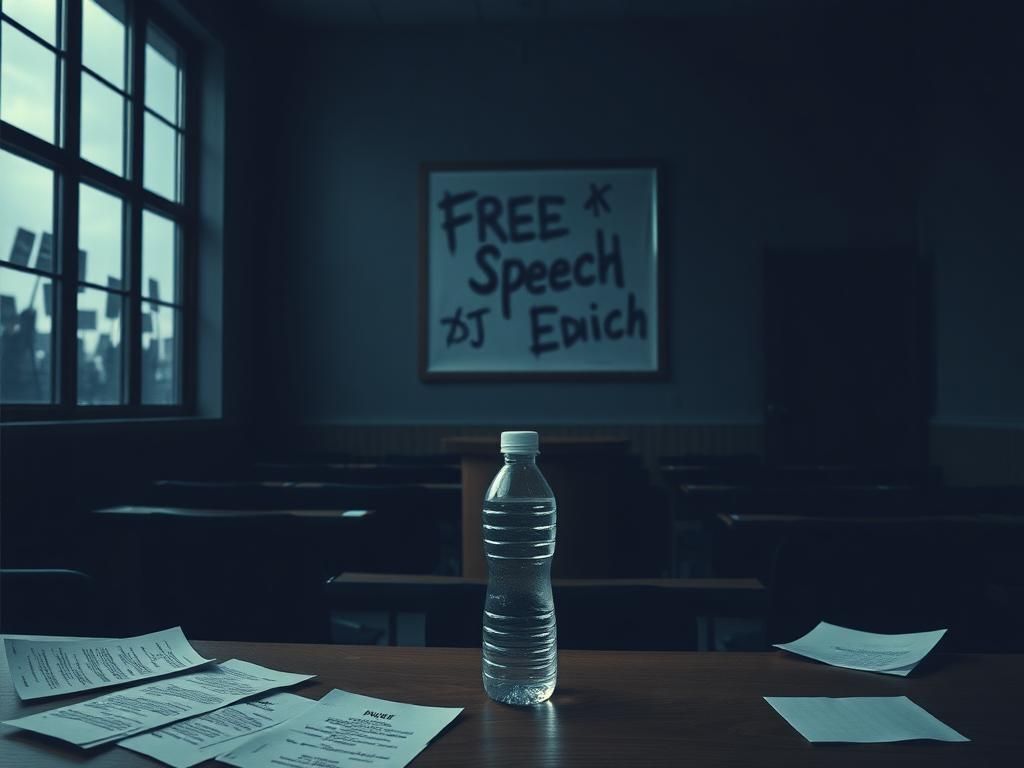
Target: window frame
column 70, row 170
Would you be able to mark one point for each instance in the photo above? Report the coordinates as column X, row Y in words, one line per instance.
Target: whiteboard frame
column 514, row 374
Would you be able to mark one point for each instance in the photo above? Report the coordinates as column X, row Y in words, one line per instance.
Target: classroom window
column 97, row 212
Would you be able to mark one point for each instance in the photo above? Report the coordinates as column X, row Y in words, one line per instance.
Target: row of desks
column 667, row 611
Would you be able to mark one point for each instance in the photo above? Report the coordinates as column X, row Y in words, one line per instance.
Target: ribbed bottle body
column 520, row 653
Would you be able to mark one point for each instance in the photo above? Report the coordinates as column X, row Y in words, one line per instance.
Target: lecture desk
column 786, row 524
column 623, row 709
column 709, row 598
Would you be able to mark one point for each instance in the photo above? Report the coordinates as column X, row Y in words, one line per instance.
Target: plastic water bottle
column 520, row 654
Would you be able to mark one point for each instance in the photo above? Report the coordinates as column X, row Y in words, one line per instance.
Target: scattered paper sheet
column 115, row 716
column 189, row 742
column 51, row 638
column 43, row 667
column 869, row 651
column 346, row 729
column 861, row 719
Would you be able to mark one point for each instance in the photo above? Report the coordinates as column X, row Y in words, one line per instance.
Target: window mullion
column 101, row 79
column 133, row 234
column 67, row 208
column 35, row 38
column 188, row 345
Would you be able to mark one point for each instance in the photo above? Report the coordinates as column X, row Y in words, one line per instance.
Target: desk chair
column 880, row 576
column 47, row 601
column 239, row 574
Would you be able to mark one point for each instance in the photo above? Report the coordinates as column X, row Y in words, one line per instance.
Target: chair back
column 878, row 576
column 47, row 601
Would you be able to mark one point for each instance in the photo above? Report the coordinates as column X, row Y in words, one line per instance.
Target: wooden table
column 624, row 710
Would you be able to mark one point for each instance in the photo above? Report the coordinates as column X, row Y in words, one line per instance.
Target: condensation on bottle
column 520, row 651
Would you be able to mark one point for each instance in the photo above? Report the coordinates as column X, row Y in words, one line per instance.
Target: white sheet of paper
column 52, row 638
column 869, row 651
column 346, row 729
column 50, row 667
column 115, row 716
column 861, row 719
column 189, row 742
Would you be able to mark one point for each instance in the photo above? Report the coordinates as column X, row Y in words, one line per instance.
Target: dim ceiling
column 388, row 12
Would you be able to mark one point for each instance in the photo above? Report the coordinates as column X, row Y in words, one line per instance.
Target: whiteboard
column 540, row 272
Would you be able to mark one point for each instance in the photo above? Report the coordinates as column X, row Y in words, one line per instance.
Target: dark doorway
column 846, row 357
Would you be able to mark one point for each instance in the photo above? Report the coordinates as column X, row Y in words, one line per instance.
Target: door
column 846, row 358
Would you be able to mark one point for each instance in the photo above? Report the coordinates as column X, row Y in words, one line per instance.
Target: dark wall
column 972, row 60
column 774, row 132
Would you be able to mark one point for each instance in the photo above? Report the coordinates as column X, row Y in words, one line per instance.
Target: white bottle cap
column 519, row 442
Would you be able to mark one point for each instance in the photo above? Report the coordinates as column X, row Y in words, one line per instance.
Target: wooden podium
column 582, row 472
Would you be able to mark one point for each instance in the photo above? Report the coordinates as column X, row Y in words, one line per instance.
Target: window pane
column 163, row 75
column 39, row 16
column 26, row 341
column 99, row 347
column 161, row 362
column 102, row 125
column 28, row 81
column 99, row 236
column 160, row 258
column 103, row 39
column 160, row 158
column 26, row 212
